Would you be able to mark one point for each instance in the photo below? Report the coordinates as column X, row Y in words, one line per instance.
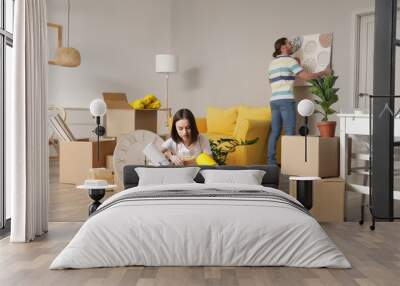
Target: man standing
column 283, row 71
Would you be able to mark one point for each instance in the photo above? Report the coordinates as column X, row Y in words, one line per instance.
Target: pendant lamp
column 67, row 56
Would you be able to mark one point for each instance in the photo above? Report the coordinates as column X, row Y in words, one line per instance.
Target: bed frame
column 270, row 179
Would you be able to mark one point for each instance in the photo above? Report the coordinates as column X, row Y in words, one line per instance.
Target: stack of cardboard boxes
column 79, row 158
column 322, row 161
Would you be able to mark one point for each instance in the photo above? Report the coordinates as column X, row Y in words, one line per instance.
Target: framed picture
column 314, row 53
column 54, row 35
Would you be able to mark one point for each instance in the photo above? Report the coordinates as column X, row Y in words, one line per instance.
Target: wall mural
column 313, row 51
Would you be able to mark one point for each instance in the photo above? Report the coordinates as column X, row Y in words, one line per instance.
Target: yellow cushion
column 253, row 113
column 220, row 120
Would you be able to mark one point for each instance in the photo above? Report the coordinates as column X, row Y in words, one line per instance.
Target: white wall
column 225, row 46
column 117, row 40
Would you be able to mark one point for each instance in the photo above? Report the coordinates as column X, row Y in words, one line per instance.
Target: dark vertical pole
column 98, row 137
column 305, row 138
column 382, row 138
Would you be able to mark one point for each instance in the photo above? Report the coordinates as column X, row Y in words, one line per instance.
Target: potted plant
column 327, row 96
column 220, row 148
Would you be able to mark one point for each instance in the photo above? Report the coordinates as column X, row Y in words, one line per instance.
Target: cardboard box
column 110, row 162
column 328, row 199
column 78, row 157
column 322, row 156
column 121, row 118
column 101, row 174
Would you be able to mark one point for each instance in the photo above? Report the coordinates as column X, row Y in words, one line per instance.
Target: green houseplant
column 324, row 89
column 221, row 147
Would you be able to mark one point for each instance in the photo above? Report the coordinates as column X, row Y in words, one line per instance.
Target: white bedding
column 200, row 231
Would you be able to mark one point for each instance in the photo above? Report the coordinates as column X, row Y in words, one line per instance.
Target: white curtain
column 27, row 148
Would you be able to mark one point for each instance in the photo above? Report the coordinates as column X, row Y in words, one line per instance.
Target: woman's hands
column 176, row 160
column 179, row 160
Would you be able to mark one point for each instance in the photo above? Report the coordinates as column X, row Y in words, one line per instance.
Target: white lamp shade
column 166, row 63
column 98, row 107
column 305, row 107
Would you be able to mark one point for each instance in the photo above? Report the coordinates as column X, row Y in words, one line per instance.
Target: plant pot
column 327, row 128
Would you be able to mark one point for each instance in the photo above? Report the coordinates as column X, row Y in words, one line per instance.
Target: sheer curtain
column 27, row 146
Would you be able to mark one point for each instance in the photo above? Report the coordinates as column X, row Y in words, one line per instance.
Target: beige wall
column 225, row 46
column 117, row 40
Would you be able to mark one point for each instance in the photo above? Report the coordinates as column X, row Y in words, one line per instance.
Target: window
column 6, row 44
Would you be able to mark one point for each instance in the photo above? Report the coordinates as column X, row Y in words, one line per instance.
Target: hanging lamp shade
column 68, row 57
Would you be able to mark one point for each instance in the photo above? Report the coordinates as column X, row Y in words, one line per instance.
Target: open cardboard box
column 78, row 157
column 121, row 118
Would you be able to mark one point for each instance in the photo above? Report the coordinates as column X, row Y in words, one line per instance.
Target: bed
column 201, row 224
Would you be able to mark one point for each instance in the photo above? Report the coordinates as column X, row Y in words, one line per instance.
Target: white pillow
column 166, row 176
column 248, row 177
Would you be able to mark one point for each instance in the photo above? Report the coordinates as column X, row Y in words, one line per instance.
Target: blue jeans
column 283, row 115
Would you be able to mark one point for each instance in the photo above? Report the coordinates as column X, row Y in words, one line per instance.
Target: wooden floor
column 375, row 256
column 67, row 203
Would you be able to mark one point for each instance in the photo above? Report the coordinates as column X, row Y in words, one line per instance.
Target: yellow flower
column 148, row 99
column 137, row 104
column 154, row 105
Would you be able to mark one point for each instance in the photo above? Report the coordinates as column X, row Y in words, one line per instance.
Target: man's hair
column 278, row 44
column 184, row 114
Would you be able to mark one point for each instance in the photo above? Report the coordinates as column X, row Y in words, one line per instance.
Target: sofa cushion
column 256, row 113
column 221, row 120
column 253, row 113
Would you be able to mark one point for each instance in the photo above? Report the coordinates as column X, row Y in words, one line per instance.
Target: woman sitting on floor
column 185, row 143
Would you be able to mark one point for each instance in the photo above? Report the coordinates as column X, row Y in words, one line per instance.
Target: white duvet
column 200, row 231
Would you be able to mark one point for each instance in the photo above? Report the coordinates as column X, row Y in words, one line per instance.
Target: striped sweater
column 282, row 73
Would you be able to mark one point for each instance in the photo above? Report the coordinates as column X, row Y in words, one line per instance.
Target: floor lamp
column 166, row 64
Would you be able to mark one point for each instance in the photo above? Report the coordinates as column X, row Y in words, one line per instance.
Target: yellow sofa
column 240, row 122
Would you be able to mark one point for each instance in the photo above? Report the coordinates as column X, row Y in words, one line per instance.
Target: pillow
column 220, row 120
column 166, row 176
column 248, row 177
column 253, row 113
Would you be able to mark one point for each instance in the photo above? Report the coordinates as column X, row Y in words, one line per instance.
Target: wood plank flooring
column 66, row 202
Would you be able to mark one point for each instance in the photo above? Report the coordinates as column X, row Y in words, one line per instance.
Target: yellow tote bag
column 205, row 159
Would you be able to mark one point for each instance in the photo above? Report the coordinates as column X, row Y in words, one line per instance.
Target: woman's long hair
column 278, row 44
column 184, row 114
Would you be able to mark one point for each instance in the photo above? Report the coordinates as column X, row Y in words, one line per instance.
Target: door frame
column 355, row 47
column 354, row 54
